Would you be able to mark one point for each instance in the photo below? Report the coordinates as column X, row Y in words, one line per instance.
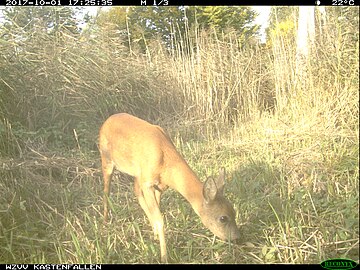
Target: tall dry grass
column 55, row 83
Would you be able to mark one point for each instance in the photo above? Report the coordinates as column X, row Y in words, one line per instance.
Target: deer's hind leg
column 107, row 170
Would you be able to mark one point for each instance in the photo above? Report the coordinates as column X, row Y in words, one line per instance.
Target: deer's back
column 135, row 146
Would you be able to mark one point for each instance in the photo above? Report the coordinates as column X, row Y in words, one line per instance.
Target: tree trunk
column 305, row 40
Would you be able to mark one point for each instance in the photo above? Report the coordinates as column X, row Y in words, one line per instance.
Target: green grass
column 296, row 200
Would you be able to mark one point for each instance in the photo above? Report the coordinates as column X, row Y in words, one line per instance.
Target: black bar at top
column 98, row 3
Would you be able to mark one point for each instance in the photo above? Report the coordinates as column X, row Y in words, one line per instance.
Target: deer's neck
column 181, row 178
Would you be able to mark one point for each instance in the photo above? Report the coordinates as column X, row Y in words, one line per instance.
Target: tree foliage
column 173, row 23
column 282, row 22
column 47, row 19
column 221, row 18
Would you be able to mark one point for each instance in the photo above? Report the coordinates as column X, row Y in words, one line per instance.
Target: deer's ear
column 213, row 188
column 209, row 190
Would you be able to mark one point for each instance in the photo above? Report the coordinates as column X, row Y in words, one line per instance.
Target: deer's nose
column 238, row 237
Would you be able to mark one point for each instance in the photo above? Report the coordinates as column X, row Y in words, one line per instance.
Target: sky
column 262, row 19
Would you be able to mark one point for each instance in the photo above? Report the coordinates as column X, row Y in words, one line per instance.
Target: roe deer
column 140, row 149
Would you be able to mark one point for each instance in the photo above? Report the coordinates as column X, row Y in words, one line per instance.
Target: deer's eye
column 224, row 219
